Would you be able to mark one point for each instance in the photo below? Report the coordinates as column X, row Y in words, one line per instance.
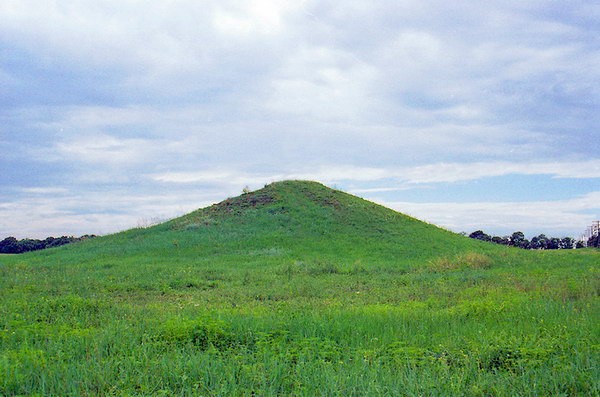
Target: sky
column 465, row 114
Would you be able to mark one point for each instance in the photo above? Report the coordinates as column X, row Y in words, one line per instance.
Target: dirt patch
column 325, row 200
column 243, row 202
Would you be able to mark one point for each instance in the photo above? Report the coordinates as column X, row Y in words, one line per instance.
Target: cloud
column 427, row 174
column 307, row 65
column 559, row 216
column 215, row 176
column 323, row 84
column 105, row 149
column 44, row 190
column 329, row 174
column 456, row 172
column 263, row 17
column 55, row 212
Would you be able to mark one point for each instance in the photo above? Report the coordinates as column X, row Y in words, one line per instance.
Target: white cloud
column 243, row 19
column 368, row 191
column 44, row 190
column 97, row 33
column 407, row 176
column 560, row 216
column 55, row 213
column 95, row 117
column 198, row 177
column 323, row 85
column 108, row 150
column 471, row 171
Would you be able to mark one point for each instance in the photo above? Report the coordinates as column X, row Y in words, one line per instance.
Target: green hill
column 298, row 289
column 296, row 220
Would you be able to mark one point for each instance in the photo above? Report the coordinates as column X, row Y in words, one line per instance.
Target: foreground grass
column 280, row 303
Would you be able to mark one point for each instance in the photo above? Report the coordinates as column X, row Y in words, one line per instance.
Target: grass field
column 297, row 289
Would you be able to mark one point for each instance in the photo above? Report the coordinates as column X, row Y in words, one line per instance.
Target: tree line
column 11, row 245
column 517, row 239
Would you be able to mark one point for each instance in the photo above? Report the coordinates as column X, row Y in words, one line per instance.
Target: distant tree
column 500, row 240
column 567, row 243
column 544, row 241
column 517, row 239
column 63, row 240
column 553, row 243
column 27, row 245
column 480, row 235
column 539, row 242
column 9, row 245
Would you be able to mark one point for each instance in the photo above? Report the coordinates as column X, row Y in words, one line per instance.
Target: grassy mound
column 298, row 289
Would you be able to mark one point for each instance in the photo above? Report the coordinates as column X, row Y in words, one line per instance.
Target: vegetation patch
column 244, row 202
column 296, row 290
column 196, row 333
column 468, row 260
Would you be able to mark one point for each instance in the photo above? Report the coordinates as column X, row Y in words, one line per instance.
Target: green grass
column 298, row 290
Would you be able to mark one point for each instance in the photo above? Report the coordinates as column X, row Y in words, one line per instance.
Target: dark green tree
column 500, row 240
column 567, row 243
column 517, row 239
column 553, row 243
column 480, row 235
column 539, row 242
column 9, row 245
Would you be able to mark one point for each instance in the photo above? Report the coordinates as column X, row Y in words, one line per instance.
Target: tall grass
column 310, row 292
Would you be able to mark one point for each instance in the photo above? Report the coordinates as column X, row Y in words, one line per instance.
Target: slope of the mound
column 284, row 221
column 299, row 220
